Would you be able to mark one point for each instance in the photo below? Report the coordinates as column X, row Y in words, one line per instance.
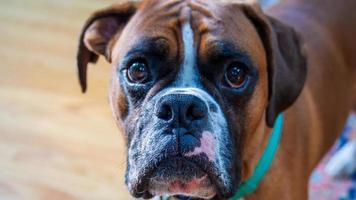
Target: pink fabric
column 324, row 187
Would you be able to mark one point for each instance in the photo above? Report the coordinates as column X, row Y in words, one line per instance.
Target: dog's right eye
column 138, row 72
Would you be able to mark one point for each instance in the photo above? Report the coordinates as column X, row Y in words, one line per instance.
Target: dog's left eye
column 236, row 75
column 138, row 72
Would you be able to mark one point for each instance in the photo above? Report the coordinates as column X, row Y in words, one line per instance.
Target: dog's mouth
column 179, row 176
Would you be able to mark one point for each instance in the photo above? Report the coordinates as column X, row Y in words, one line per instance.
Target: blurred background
column 55, row 142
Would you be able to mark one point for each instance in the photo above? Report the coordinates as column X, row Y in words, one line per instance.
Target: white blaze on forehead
column 188, row 74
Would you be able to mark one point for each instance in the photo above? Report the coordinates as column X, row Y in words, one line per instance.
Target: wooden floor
column 55, row 143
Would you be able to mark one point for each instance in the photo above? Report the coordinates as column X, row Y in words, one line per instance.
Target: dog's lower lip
column 200, row 187
column 139, row 187
column 201, row 171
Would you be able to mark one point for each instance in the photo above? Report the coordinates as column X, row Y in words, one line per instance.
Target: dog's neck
column 280, row 167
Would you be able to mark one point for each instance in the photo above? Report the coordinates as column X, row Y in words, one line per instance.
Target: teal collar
column 251, row 184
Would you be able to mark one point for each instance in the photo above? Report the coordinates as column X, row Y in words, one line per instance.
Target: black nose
column 181, row 108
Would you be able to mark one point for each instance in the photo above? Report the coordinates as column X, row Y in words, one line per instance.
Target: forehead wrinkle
column 201, row 8
column 159, row 5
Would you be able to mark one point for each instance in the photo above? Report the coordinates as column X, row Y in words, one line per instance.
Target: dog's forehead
column 211, row 21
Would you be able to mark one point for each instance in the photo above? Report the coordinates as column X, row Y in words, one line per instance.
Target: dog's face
column 190, row 81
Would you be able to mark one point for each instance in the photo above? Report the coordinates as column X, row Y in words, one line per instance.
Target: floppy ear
column 287, row 64
column 97, row 33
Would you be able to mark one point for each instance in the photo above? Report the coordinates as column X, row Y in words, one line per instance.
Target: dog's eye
column 138, row 72
column 236, row 75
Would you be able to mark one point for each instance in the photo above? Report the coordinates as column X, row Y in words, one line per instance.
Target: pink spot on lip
column 187, row 188
column 207, row 144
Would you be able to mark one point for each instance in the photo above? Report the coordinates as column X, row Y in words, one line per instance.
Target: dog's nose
column 181, row 108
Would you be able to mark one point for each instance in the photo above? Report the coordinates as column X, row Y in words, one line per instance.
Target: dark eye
column 138, row 72
column 236, row 75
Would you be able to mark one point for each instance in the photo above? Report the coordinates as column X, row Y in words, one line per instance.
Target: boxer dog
column 197, row 85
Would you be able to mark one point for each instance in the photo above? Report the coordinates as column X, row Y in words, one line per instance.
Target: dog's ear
column 98, row 32
column 287, row 64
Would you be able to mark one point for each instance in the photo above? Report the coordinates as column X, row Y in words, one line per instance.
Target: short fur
column 305, row 65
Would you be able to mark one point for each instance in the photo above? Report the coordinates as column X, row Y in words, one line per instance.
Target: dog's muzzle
column 182, row 147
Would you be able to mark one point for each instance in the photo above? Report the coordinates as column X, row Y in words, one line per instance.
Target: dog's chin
column 178, row 176
column 182, row 177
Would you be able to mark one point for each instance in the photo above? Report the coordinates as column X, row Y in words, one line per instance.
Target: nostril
column 195, row 112
column 165, row 112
